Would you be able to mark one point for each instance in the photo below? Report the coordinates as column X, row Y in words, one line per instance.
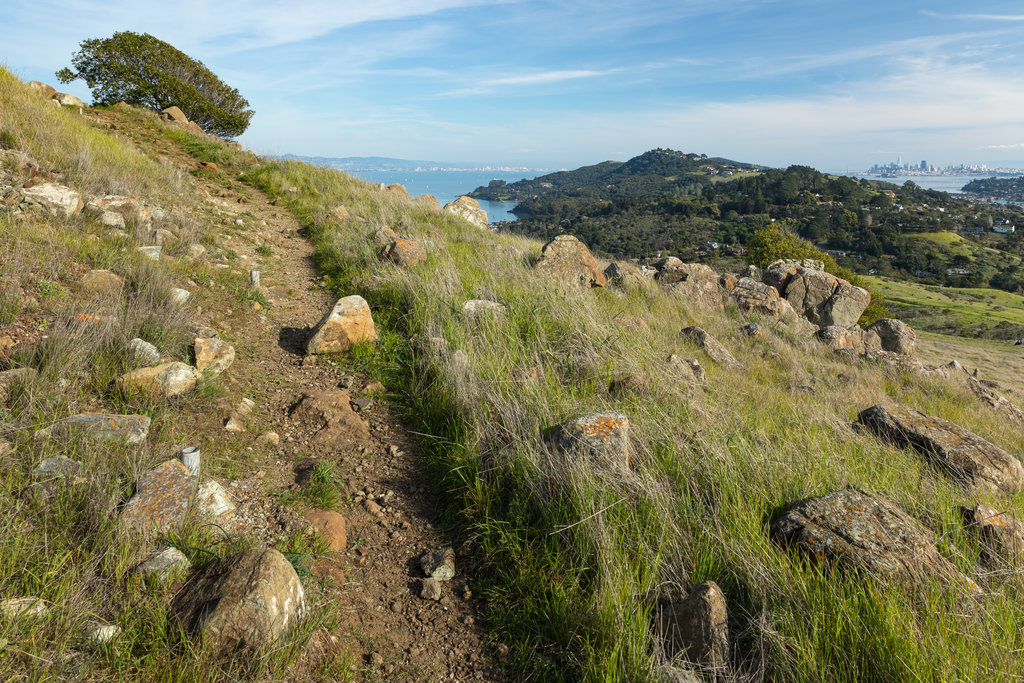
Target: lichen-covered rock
column 382, row 236
column 330, row 414
column 821, row 297
column 711, row 346
column 727, row 281
column 143, row 353
column 162, row 498
column 626, row 276
column 99, row 429
column 860, row 531
column 439, row 564
column 347, row 324
column 567, row 261
column 694, row 281
column 214, row 503
column 249, row 598
column 963, row 455
column 697, row 627
column 469, row 210
column 601, row 437
column 167, row 379
column 213, row 354
column 57, row 200
column 896, row 336
column 667, row 262
column 428, row 200
column 403, row 252
column 1001, row 533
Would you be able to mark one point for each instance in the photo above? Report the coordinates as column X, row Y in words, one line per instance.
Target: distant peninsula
column 356, row 164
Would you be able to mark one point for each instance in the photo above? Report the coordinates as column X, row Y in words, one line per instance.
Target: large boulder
column 467, row 209
column 711, row 346
column 860, row 531
column 821, row 297
column 837, row 338
column 963, row 455
column 398, row 190
column 601, row 437
column 67, row 100
column 248, row 598
column 568, row 261
column 347, row 324
column 896, row 336
column 174, row 114
column 694, row 281
column 97, row 429
column 44, row 89
column 756, row 298
column 162, row 498
column 697, row 627
column 167, row 379
column 57, row 200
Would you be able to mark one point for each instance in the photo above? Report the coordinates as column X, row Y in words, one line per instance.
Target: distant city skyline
column 529, row 83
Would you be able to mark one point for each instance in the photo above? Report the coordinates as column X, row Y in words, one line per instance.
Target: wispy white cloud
column 1015, row 145
column 974, row 17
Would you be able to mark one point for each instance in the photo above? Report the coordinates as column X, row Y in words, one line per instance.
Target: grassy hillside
column 576, row 553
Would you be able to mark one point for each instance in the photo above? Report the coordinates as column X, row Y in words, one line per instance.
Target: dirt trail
column 390, row 632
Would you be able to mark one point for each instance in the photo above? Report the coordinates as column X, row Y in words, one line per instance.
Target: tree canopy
column 142, row 70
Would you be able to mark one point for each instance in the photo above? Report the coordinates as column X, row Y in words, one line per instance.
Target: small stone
column 100, row 428
column 213, row 502
column 698, row 626
column 213, row 354
column 430, row 589
column 102, row 282
column 143, row 352
column 372, row 508
column 753, row 330
column 163, row 564
column 58, row 466
column 102, row 634
column 348, row 323
column 179, row 296
column 331, row 526
column 603, row 437
column 153, row 253
column 14, row 608
column 168, row 379
column 269, row 438
column 439, row 564
column 481, row 308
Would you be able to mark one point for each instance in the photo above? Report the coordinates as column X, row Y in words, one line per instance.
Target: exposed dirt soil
column 390, row 632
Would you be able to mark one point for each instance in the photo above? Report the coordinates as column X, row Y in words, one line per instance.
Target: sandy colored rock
column 68, row 100
column 567, row 261
column 757, row 298
column 439, row 564
column 213, row 503
column 405, row 253
column 44, row 89
column 338, row 214
column 330, row 414
column 99, row 428
column 175, row 114
column 602, row 436
column 695, row 282
column 162, row 498
column 692, row 367
column 626, row 276
column 836, row 338
column 213, row 354
column 860, row 531
column 697, row 627
column 482, row 308
column 102, row 282
column 57, row 200
column 958, row 452
column 168, row 379
column 129, row 209
column 249, row 598
column 821, row 297
column 429, row 200
column 398, row 190
column 467, row 209
column 331, row 526
column 344, row 326
column 896, row 336
column 711, row 346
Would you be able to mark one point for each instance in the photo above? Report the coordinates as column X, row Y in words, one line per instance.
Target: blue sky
column 833, row 84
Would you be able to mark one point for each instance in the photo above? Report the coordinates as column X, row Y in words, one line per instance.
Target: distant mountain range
column 356, row 164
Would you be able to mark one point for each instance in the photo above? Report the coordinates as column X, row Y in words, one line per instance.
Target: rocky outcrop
column 99, row 429
column 836, row 338
column 895, row 335
column 398, row 190
column 404, row 253
column 667, row 262
column 711, row 346
column 249, row 598
column 697, row 627
column 859, row 531
column 960, row 453
column 57, row 200
column 468, row 209
column 44, row 89
column 68, row 100
column 567, row 261
column 821, row 297
column 599, row 437
column 694, row 281
column 167, row 379
column 344, row 326
column 119, row 210
column 757, row 298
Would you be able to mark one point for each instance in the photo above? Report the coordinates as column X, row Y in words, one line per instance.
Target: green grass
column 573, row 553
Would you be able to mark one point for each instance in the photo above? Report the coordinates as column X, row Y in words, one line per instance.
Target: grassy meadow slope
column 577, row 555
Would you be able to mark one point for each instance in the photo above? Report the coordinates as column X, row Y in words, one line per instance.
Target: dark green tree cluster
column 142, row 70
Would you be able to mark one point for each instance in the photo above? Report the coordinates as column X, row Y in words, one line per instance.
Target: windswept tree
column 142, row 70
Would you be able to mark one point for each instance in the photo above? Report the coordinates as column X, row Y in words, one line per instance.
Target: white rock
column 213, row 501
column 144, row 352
column 164, row 563
column 152, row 252
column 179, row 296
column 103, row 634
column 59, row 200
